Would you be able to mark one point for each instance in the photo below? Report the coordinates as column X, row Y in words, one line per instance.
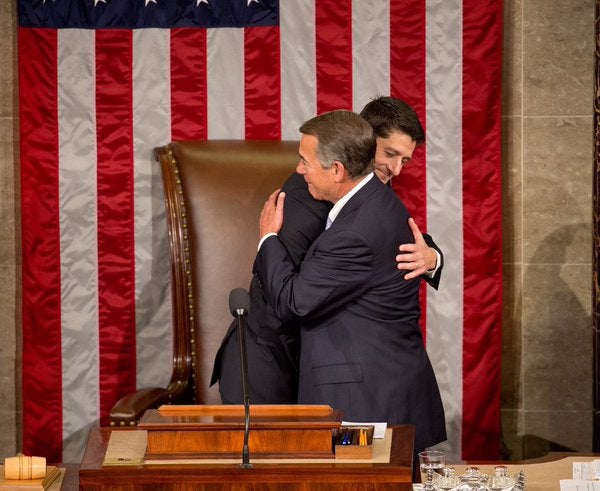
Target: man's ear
column 339, row 171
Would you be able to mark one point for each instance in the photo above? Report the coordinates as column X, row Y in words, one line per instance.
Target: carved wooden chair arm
column 130, row 408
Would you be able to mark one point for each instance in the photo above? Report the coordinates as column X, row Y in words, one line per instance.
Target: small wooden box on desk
column 354, row 442
column 276, row 431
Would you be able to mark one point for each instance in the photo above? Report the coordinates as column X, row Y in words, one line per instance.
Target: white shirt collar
column 334, row 212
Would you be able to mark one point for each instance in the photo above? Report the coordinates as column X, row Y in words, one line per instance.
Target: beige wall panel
column 557, row 173
column 512, row 60
column 558, row 66
column 512, row 189
column 557, row 338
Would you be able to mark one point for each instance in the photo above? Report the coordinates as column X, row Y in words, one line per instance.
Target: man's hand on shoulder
column 271, row 216
column 417, row 258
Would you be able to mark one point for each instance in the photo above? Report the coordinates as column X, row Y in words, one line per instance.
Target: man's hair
column 343, row 136
column 388, row 114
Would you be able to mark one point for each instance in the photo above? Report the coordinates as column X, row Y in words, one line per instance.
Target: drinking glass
column 431, row 461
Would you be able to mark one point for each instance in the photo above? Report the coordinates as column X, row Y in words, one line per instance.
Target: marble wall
column 547, row 144
column 548, row 79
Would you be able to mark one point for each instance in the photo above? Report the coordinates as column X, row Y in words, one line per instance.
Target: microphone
column 239, row 305
column 239, row 302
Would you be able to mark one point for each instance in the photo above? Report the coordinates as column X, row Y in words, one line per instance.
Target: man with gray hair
column 362, row 348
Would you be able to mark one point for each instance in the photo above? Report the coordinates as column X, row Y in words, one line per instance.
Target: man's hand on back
column 271, row 216
column 417, row 258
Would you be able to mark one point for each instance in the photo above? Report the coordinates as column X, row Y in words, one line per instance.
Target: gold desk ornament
column 24, row 467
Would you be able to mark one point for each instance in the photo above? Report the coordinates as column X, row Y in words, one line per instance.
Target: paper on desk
column 378, row 431
column 584, row 474
column 586, row 470
column 126, row 447
column 579, row 485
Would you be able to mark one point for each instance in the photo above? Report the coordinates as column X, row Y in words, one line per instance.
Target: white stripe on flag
column 298, row 66
column 444, row 205
column 370, row 51
column 151, row 128
column 78, row 232
column 225, row 81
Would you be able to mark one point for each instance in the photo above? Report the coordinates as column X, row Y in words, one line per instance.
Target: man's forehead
column 307, row 139
column 308, row 143
column 398, row 134
column 308, row 147
column 398, row 142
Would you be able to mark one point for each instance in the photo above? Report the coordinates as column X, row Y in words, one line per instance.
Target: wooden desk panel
column 396, row 475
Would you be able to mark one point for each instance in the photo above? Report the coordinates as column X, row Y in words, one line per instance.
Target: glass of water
column 431, row 461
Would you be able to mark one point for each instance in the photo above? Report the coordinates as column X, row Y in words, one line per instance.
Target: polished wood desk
column 395, row 475
column 71, row 479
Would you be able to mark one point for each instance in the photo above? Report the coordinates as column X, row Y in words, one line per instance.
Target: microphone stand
column 240, row 313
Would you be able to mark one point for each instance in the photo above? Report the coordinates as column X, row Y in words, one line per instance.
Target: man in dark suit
column 273, row 347
column 362, row 349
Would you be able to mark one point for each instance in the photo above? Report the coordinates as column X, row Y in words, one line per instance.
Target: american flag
column 102, row 82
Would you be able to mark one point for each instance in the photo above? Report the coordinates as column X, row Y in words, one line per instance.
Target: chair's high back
column 214, row 193
column 224, row 185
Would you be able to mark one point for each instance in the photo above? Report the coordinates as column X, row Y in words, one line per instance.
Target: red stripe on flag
column 407, row 53
column 482, row 225
column 407, row 82
column 116, row 273
column 262, row 83
column 188, row 84
column 333, row 20
column 40, row 233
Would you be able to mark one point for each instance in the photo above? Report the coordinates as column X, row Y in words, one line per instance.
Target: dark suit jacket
column 273, row 348
column 362, row 349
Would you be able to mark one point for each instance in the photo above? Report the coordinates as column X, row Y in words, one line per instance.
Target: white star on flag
column 198, row 2
column 149, row 1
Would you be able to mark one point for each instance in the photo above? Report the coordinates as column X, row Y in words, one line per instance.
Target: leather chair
column 214, row 192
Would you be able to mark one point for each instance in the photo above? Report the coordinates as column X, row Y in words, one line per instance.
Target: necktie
column 328, row 223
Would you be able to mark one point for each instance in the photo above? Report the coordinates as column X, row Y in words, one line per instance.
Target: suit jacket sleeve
column 434, row 281
column 336, row 270
column 303, row 218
